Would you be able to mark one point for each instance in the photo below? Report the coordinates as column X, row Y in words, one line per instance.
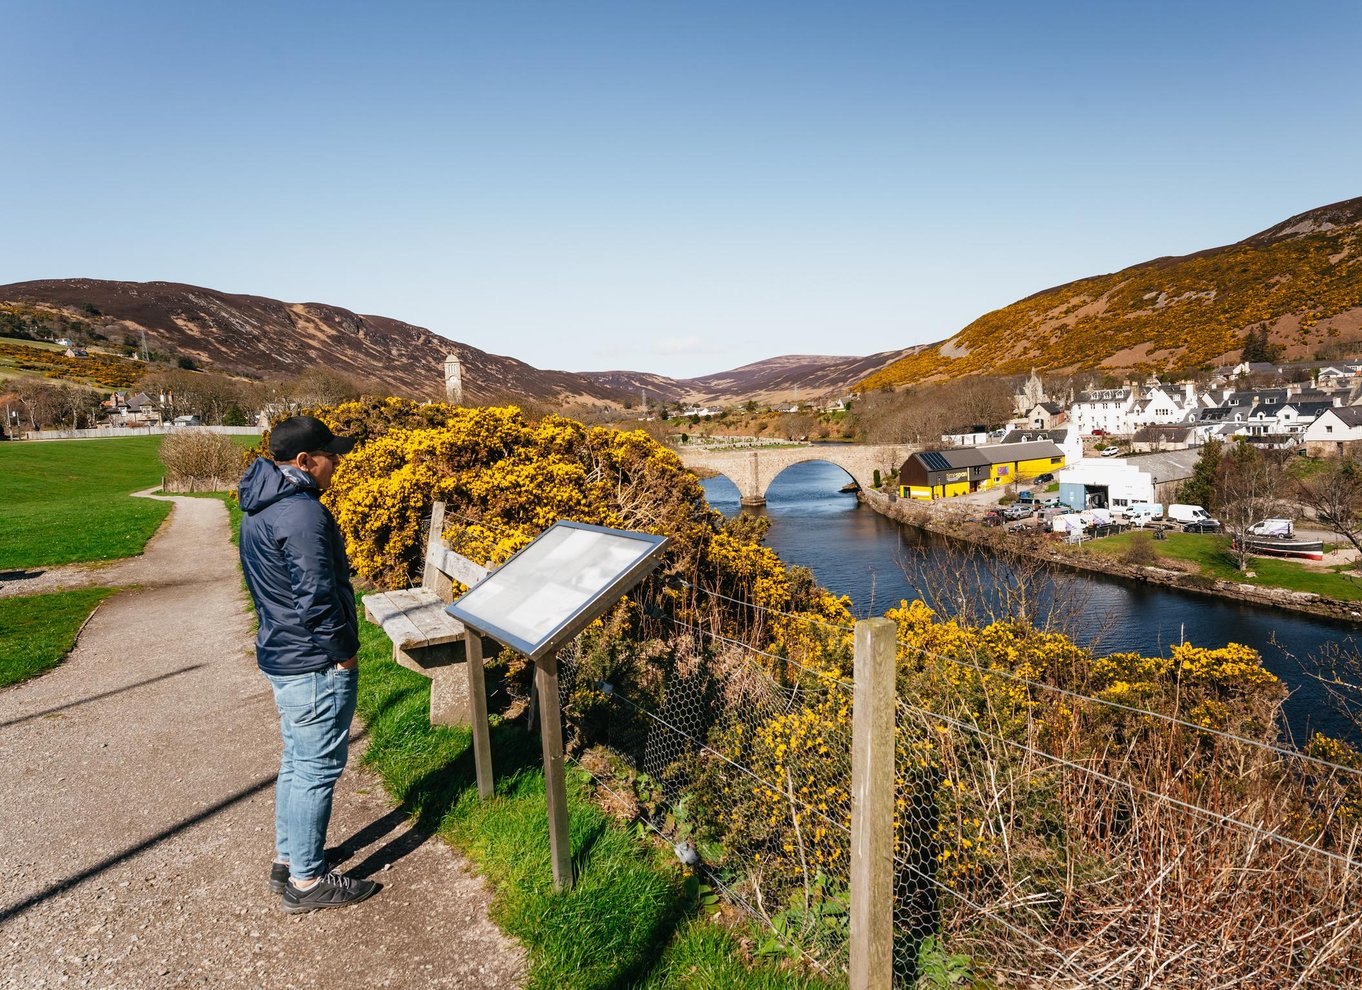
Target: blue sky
column 679, row 187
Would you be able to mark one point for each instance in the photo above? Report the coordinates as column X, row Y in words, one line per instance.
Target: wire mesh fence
column 1044, row 834
column 1167, row 856
column 711, row 746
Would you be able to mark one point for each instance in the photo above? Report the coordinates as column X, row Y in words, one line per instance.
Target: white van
column 1191, row 514
column 1279, row 528
column 1142, row 513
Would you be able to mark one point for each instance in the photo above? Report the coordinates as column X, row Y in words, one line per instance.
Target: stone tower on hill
column 453, row 379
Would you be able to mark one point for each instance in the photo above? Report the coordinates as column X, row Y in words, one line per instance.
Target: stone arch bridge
column 752, row 471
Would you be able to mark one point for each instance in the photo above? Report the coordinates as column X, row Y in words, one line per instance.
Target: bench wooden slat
column 413, row 618
column 460, row 568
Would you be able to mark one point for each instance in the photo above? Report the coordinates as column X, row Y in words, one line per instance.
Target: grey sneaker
column 332, row 890
column 279, row 871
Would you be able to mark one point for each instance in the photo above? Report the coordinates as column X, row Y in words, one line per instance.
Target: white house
column 1124, row 410
column 1104, row 409
column 1334, row 432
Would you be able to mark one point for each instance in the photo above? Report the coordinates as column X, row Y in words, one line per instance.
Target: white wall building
column 1109, row 482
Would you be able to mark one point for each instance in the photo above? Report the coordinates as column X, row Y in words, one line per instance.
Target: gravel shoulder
column 136, row 806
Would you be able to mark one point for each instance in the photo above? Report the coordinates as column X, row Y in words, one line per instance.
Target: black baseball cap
column 297, row 434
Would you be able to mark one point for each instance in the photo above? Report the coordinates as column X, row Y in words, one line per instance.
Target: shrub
column 200, row 456
column 1141, row 551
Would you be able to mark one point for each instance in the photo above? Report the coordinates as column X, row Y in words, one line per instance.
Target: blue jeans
column 315, row 711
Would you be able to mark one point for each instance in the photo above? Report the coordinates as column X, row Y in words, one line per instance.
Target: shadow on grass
column 610, row 930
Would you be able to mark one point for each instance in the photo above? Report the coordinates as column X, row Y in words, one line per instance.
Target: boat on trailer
column 1277, row 538
column 1280, row 547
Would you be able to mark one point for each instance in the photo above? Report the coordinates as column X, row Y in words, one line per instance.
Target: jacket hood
column 264, row 484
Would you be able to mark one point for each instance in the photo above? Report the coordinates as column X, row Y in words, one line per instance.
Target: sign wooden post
column 872, row 806
column 555, row 783
column 477, row 714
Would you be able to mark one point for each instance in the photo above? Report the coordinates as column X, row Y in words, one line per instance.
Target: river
column 854, row 551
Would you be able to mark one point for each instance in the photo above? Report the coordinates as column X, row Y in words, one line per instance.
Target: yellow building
column 933, row 474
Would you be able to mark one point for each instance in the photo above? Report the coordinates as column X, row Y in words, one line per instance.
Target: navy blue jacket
column 293, row 556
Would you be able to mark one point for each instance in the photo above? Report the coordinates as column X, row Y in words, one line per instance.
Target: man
column 293, row 556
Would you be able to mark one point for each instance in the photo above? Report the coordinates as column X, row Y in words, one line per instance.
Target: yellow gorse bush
column 504, row 480
column 982, row 739
column 995, row 681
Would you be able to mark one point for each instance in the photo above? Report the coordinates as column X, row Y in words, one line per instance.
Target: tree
column 1248, row 484
column 321, row 386
column 1199, row 489
column 1257, row 346
column 1335, row 495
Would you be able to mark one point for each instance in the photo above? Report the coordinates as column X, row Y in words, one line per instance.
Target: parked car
column 1206, row 526
column 1111, row 451
column 1099, row 433
column 1050, row 503
column 1022, row 510
column 1025, row 497
column 1045, row 479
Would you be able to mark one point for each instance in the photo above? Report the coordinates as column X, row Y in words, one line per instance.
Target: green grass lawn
column 1213, row 555
column 64, row 502
column 67, row 501
column 632, row 920
column 37, row 631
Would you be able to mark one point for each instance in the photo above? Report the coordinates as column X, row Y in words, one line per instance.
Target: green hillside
column 1302, row 280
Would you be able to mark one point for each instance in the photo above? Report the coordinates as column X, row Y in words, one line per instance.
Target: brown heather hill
column 264, row 338
column 1301, row 279
column 792, row 376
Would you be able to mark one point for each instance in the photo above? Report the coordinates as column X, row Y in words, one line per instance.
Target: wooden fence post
column 872, row 807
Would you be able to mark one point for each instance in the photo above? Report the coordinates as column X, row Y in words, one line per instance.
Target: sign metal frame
column 467, row 609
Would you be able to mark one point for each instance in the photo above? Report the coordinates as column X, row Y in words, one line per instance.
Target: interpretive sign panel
column 557, row 586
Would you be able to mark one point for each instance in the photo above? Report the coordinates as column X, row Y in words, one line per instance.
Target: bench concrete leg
column 448, row 680
column 449, row 696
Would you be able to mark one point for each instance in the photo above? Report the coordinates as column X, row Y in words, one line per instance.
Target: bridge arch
column 818, row 459
column 752, row 471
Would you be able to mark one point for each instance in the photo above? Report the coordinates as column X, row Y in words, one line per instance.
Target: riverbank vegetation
column 1211, row 556
column 1042, row 789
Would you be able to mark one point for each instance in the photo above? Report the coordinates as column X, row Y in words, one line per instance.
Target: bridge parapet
column 752, row 471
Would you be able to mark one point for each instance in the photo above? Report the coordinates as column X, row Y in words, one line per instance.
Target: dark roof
column 1215, row 414
column 999, row 453
column 1351, row 415
column 935, row 460
column 1058, row 435
column 1309, row 408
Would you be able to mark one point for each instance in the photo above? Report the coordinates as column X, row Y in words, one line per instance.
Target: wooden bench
column 429, row 640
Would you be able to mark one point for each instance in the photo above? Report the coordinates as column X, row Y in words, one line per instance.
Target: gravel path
column 136, row 810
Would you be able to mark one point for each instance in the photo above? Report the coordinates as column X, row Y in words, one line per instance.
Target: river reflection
column 854, row 551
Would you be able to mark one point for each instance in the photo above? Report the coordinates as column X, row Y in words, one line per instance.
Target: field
column 67, row 501
column 101, row 370
column 64, row 502
column 1213, row 558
